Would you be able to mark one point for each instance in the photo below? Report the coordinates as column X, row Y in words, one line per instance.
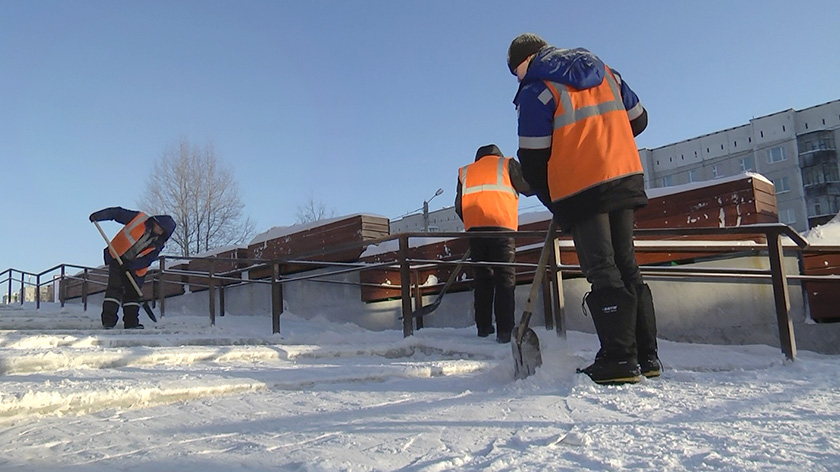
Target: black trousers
column 604, row 245
column 494, row 285
column 120, row 292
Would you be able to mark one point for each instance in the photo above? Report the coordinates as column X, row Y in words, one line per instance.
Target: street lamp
column 426, row 210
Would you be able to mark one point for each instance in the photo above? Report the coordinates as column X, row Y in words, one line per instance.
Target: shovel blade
column 426, row 310
column 526, row 354
column 149, row 311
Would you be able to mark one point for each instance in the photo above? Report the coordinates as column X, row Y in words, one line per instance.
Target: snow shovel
column 146, row 306
column 425, row 310
column 526, row 344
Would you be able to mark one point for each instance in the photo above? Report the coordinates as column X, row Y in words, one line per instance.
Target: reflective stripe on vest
column 592, row 142
column 487, row 194
column 125, row 241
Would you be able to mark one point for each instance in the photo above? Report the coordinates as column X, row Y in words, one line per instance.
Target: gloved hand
column 98, row 216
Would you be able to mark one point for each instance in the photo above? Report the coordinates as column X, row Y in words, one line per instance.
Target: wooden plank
column 823, row 300
column 320, row 243
column 97, row 283
column 99, row 280
column 821, row 263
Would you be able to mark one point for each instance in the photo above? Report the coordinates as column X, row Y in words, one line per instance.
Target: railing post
column 62, row 286
column 212, row 295
column 38, row 292
column 221, row 298
column 22, row 291
column 84, row 290
column 162, row 292
column 548, row 307
column 418, row 299
column 559, row 296
column 276, row 298
column 9, row 296
column 405, row 287
column 780, row 294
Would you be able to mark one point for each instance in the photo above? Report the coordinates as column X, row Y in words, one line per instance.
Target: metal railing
column 59, row 272
column 216, row 281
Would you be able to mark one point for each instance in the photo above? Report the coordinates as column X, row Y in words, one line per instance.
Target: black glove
column 98, row 215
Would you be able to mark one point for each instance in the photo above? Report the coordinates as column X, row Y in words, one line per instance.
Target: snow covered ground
column 185, row 396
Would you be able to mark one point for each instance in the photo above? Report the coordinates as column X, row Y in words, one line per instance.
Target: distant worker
column 138, row 244
column 488, row 200
column 577, row 122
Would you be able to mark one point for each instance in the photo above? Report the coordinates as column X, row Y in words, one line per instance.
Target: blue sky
column 367, row 106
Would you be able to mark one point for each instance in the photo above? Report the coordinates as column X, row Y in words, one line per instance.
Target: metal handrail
column 402, row 261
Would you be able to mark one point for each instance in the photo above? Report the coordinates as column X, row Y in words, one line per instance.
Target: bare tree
column 202, row 196
column 313, row 210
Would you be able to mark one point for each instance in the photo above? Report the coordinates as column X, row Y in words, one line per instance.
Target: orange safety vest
column 487, row 195
column 592, row 141
column 128, row 237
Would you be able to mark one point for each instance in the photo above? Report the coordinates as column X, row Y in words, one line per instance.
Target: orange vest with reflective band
column 592, row 141
column 129, row 236
column 487, row 195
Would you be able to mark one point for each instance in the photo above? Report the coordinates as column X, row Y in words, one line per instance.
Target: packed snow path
column 322, row 397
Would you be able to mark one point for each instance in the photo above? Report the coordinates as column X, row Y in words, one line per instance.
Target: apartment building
column 795, row 149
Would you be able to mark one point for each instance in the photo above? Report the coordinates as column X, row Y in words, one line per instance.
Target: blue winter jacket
column 535, row 106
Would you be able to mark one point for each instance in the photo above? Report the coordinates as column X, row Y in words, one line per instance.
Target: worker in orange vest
column 487, row 199
column 138, row 244
column 577, row 122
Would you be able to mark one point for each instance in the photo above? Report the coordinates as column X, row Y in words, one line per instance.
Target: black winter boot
column 614, row 314
column 109, row 313
column 131, row 311
column 646, row 332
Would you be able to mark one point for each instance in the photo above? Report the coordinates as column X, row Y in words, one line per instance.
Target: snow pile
column 321, row 396
column 827, row 234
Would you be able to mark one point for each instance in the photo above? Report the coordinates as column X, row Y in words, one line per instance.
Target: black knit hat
column 521, row 47
column 488, row 150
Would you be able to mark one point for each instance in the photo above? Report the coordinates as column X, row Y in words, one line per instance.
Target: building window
column 824, row 205
column 762, row 134
column 666, row 181
column 747, row 164
column 692, row 175
column 776, row 154
column 715, row 173
column 787, row 216
column 820, row 174
column 783, row 128
column 782, row 185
